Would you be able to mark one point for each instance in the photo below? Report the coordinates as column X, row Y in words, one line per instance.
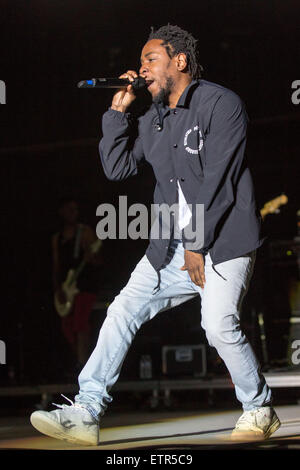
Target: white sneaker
column 72, row 423
column 256, row 424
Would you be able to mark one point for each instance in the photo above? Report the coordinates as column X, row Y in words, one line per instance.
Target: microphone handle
column 112, row 83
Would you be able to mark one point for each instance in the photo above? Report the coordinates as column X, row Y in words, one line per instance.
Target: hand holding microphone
column 125, row 94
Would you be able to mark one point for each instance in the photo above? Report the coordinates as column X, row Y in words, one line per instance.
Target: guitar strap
column 77, row 242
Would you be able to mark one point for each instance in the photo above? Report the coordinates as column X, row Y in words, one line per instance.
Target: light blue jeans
column 139, row 302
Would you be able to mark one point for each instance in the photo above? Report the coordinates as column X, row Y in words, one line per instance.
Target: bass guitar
column 69, row 286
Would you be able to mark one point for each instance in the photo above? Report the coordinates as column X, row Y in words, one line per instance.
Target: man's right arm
column 120, row 152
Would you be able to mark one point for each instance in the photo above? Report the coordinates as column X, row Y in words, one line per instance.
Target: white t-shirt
column 184, row 212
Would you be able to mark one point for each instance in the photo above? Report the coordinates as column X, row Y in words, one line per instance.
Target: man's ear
column 181, row 61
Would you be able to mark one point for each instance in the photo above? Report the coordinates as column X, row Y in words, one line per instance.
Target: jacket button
column 171, row 180
column 182, row 179
column 175, row 145
column 175, row 111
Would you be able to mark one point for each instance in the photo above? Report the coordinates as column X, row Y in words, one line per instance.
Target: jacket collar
column 185, row 98
column 183, row 101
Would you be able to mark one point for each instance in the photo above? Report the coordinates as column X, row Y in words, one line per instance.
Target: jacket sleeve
column 224, row 145
column 120, row 147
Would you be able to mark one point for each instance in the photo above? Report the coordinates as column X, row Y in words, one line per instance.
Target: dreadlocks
column 176, row 40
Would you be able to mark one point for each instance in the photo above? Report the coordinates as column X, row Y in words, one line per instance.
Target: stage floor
column 158, row 430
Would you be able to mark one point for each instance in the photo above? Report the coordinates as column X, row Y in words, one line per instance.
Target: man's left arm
column 224, row 154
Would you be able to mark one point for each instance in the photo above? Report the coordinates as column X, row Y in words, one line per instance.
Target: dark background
column 50, row 131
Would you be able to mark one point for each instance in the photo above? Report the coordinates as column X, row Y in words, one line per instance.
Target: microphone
column 137, row 83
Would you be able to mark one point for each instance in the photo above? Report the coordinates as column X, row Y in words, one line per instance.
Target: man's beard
column 164, row 93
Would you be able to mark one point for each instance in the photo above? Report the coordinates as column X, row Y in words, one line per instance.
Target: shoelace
column 74, row 405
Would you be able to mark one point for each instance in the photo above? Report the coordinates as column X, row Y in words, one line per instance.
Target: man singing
column 194, row 136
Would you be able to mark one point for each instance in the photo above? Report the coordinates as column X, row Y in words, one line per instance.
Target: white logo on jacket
column 189, row 149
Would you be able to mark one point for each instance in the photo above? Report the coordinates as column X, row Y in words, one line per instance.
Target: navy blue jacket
column 201, row 143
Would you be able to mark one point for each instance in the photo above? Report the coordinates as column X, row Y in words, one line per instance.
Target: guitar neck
column 78, row 271
column 94, row 248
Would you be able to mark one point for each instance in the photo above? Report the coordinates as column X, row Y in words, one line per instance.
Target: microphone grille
column 138, row 83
